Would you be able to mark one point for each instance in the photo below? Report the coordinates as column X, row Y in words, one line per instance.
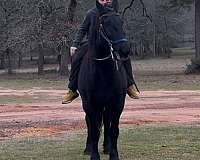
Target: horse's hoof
column 95, row 157
column 87, row 151
column 114, row 158
column 106, row 150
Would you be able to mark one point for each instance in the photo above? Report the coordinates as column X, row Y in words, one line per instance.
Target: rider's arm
column 83, row 30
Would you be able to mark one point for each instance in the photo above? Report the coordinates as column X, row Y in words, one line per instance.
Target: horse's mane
column 94, row 33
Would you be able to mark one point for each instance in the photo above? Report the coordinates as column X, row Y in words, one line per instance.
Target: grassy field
column 150, row 80
column 146, row 82
column 151, row 74
column 136, row 142
column 37, row 98
column 32, row 81
column 183, row 51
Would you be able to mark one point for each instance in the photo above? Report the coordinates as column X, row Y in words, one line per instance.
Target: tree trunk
column 197, row 29
column 8, row 52
column 40, row 59
column 65, row 60
column 65, row 57
column 154, row 40
column 2, row 59
column 20, row 60
column 72, row 10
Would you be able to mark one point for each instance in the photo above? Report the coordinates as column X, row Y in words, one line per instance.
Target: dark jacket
column 86, row 27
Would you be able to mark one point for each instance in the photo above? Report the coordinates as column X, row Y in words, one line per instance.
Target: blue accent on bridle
column 120, row 40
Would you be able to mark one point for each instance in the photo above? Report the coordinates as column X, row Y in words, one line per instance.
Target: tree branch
column 144, row 9
column 145, row 13
column 126, row 8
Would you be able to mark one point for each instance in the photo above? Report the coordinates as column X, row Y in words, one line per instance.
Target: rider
column 85, row 28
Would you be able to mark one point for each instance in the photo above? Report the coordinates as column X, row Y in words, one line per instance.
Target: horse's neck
column 104, row 66
column 102, row 51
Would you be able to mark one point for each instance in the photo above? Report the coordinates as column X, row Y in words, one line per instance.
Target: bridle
column 113, row 54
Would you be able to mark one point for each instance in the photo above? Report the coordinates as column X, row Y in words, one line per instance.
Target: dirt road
column 44, row 118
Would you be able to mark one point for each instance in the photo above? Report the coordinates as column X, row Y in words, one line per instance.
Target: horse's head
column 111, row 33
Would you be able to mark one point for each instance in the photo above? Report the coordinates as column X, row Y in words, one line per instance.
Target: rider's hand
column 72, row 50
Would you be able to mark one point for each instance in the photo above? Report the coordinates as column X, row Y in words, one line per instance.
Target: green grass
column 168, row 82
column 16, row 99
column 155, row 79
column 168, row 85
column 29, row 81
column 145, row 82
column 28, row 99
column 143, row 142
column 183, row 52
column 32, row 83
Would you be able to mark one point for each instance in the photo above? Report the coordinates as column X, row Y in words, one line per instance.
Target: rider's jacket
column 87, row 26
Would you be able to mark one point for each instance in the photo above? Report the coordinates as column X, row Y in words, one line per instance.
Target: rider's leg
column 132, row 89
column 73, row 79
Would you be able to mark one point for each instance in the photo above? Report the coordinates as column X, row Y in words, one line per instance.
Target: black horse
column 102, row 80
column 105, row 122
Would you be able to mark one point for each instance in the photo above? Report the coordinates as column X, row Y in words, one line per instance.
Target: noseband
column 113, row 54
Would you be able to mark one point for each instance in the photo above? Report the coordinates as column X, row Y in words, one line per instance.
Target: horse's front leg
column 106, row 142
column 115, row 113
column 95, row 120
column 88, row 146
column 114, row 133
column 106, row 122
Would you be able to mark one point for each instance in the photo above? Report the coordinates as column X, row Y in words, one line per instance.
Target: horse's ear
column 99, row 6
column 115, row 5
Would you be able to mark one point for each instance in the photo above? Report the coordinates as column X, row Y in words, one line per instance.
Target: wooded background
column 37, row 32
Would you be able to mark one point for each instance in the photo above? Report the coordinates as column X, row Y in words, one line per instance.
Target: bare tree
column 197, row 30
column 195, row 62
column 11, row 34
column 152, row 27
column 47, row 28
column 65, row 56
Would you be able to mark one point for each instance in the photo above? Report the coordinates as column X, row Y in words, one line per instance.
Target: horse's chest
column 105, row 77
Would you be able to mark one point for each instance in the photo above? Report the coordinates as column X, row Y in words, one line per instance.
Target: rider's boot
column 133, row 92
column 69, row 96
